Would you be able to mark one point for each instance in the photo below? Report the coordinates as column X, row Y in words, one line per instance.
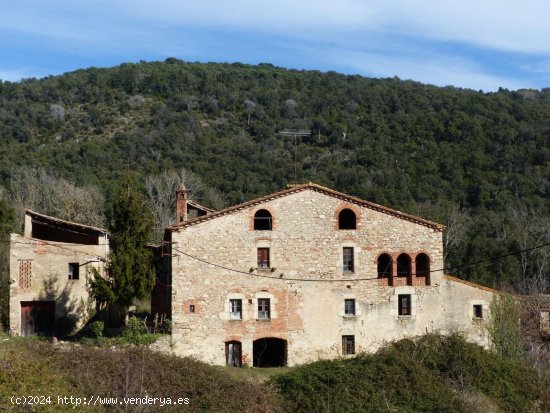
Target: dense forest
column 477, row 162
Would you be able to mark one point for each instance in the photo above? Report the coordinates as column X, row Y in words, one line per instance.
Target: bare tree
column 57, row 112
column 44, row 192
column 249, row 108
column 161, row 194
column 529, row 229
column 455, row 233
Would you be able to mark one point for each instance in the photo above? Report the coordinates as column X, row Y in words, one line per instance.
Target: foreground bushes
column 36, row 367
column 428, row 374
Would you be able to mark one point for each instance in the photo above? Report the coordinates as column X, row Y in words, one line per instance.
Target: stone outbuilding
column 49, row 266
column 310, row 273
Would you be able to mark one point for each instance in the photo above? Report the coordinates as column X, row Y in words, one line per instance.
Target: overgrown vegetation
column 477, row 161
column 36, row 367
column 426, row 374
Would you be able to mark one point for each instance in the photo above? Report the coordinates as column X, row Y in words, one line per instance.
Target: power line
column 282, row 277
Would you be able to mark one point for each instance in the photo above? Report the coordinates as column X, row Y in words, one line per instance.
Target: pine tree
column 129, row 271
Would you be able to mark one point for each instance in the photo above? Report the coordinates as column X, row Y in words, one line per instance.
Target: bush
column 95, row 330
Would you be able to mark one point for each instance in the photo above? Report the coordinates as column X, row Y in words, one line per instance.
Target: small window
column 478, row 311
column 348, row 345
column 263, row 257
column 235, row 309
column 74, row 271
column 264, row 310
column 263, row 220
column 404, row 304
column 191, row 308
column 347, row 219
column 349, row 306
column 347, row 254
column 545, row 319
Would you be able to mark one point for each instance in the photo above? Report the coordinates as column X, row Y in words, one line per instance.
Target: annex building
column 49, row 266
column 309, row 273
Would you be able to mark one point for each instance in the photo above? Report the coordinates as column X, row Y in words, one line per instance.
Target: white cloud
column 437, row 70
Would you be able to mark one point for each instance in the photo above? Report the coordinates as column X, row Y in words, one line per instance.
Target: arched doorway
column 269, row 352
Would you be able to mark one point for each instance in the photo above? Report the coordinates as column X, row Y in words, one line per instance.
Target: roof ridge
column 63, row 221
column 310, row 185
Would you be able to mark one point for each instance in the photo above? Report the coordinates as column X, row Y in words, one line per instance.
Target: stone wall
column 47, row 264
column 306, row 284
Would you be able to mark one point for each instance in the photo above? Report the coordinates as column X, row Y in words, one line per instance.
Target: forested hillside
column 478, row 162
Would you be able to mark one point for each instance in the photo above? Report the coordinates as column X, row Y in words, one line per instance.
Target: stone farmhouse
column 309, row 273
column 48, row 269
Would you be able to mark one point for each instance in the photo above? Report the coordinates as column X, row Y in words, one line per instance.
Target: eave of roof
column 59, row 221
column 199, row 206
column 314, row 187
column 470, row 284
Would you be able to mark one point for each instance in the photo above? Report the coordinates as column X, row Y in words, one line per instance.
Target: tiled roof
column 291, row 189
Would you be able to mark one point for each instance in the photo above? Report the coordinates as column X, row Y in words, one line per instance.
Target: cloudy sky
column 482, row 44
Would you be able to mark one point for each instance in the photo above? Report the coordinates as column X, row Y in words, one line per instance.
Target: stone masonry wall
column 49, row 281
column 306, row 244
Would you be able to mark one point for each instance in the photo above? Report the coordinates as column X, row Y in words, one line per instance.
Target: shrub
column 95, row 330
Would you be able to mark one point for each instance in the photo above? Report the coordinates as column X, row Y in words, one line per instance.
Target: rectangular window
column 478, row 311
column 544, row 319
column 191, row 308
column 404, row 301
column 263, row 257
column 349, row 307
column 347, row 253
column 348, row 345
column 235, row 309
column 74, row 273
column 264, row 311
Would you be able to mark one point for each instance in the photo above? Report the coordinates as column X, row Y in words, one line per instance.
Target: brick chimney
column 181, row 204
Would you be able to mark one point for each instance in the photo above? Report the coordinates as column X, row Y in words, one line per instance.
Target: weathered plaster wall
column 49, row 263
column 305, row 243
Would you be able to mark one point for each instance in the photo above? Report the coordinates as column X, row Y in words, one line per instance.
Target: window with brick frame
column 348, row 345
column 263, row 257
column 349, row 306
column 264, row 308
column 348, row 264
column 347, row 219
column 235, row 309
column 404, row 304
column 74, row 271
column 263, row 221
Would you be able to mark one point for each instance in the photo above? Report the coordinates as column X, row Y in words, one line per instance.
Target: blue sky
column 483, row 44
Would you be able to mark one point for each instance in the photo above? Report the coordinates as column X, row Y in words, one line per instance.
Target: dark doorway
column 269, row 352
column 37, row 318
column 233, row 353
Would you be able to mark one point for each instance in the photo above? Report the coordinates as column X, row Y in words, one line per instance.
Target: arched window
column 385, row 266
column 347, row 219
column 422, row 265
column 404, row 267
column 263, row 220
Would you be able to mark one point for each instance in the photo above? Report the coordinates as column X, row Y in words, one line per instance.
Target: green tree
column 129, row 271
column 504, row 326
column 7, row 224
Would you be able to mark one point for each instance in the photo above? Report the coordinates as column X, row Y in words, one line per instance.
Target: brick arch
column 422, row 275
column 351, row 207
column 385, row 275
column 253, row 211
